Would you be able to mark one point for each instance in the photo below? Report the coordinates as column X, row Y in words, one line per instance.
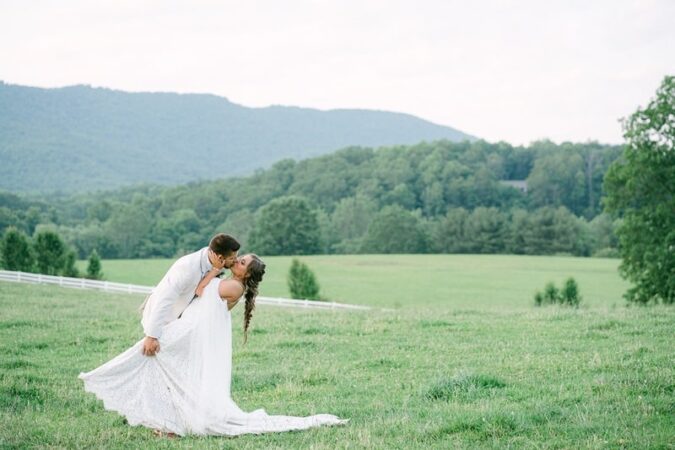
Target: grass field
column 466, row 361
column 457, row 281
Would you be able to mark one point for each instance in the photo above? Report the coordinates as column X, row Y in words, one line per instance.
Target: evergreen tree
column 15, row 251
column 68, row 269
column 569, row 294
column 551, row 293
column 301, row 281
column 94, row 266
column 50, row 252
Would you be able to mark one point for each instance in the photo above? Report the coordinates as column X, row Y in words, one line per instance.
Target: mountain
column 80, row 138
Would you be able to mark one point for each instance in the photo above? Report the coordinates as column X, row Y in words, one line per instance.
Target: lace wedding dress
column 185, row 387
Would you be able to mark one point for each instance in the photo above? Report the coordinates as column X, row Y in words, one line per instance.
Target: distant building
column 521, row 185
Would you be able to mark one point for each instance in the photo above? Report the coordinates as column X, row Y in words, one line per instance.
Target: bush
column 551, row 293
column 568, row 295
column 69, row 269
column 94, row 266
column 538, row 298
column 302, row 282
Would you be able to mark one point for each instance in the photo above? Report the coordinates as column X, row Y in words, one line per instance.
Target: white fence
column 108, row 286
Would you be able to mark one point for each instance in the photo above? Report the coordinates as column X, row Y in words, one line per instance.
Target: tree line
column 440, row 197
column 45, row 253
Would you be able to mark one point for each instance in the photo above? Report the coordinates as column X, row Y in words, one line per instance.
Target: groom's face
column 228, row 260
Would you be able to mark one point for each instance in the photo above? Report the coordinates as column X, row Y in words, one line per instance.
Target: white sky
column 501, row 70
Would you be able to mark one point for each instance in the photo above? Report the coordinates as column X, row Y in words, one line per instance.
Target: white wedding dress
column 185, row 387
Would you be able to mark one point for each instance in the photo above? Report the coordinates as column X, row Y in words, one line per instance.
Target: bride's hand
column 210, row 275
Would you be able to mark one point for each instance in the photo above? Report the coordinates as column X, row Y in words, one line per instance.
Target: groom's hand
column 150, row 346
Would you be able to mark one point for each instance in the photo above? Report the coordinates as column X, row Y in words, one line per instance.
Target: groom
column 173, row 294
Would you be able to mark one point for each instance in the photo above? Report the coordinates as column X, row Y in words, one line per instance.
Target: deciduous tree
column 641, row 189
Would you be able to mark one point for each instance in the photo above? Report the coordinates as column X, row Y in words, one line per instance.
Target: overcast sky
column 501, row 70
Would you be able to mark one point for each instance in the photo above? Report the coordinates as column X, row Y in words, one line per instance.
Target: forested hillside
column 79, row 138
column 431, row 197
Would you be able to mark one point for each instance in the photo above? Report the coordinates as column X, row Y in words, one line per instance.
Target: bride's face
column 240, row 267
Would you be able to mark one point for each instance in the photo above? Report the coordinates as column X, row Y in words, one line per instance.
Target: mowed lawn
column 462, row 361
column 456, row 281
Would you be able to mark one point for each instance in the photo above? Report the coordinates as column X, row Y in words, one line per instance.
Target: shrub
column 570, row 293
column 69, row 269
column 94, row 266
column 302, row 282
column 538, row 298
column 551, row 293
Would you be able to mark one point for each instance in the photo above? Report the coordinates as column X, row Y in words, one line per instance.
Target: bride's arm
column 210, row 275
column 230, row 291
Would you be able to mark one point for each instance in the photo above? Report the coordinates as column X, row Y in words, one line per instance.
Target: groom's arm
column 166, row 293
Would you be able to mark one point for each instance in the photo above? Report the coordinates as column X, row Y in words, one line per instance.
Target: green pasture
column 466, row 361
column 455, row 281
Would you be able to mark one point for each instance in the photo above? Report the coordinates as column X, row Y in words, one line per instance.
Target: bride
column 185, row 388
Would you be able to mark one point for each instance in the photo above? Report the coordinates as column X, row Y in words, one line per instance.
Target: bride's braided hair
column 256, row 270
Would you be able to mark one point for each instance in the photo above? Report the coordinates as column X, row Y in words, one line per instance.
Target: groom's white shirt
column 172, row 295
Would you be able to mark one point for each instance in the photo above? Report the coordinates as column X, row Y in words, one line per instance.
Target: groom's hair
column 223, row 244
